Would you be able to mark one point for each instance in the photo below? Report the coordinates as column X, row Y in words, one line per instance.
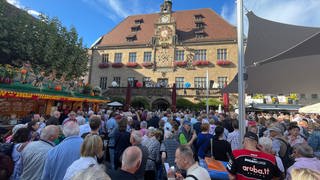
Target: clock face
column 165, row 32
column 165, row 19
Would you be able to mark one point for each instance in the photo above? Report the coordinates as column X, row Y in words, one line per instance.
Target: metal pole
column 207, row 102
column 241, row 83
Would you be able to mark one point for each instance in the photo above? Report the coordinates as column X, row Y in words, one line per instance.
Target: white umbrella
column 219, row 109
column 314, row 108
column 115, row 103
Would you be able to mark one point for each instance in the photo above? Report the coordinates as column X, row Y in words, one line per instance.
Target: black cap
column 251, row 135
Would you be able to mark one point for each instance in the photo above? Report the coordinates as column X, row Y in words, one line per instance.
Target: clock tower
column 165, row 27
column 165, row 35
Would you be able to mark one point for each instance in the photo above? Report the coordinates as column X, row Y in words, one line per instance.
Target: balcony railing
column 152, row 91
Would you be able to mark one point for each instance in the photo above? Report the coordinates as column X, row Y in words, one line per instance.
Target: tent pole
column 241, row 83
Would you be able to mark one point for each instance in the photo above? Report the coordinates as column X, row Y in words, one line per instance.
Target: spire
column 166, row 7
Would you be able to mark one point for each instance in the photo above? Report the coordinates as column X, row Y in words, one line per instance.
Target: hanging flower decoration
column 103, row 65
column 117, row 65
column 180, row 63
column 223, row 62
column 132, row 64
column 147, row 64
column 200, row 63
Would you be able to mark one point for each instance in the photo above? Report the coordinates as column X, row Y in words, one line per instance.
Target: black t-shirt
column 246, row 164
column 120, row 174
column 220, row 150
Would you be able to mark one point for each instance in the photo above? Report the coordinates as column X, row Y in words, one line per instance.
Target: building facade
column 157, row 50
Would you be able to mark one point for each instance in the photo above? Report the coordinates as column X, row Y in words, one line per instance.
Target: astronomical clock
column 165, row 33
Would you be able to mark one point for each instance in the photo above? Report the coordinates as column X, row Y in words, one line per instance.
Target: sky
column 94, row 18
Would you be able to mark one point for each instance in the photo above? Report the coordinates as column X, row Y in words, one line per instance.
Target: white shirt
column 85, row 128
column 78, row 166
column 197, row 171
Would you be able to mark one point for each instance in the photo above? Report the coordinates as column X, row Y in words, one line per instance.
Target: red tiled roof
column 216, row 28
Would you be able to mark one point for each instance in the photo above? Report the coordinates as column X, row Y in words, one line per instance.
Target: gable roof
column 216, row 28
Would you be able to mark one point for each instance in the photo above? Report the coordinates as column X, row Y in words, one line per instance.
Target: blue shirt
column 61, row 157
column 203, row 141
column 111, row 125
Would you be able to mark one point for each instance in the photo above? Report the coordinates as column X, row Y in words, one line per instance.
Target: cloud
column 34, row 13
column 17, row 4
column 117, row 7
column 295, row 12
column 117, row 10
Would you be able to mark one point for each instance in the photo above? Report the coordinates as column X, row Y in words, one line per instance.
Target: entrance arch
column 160, row 104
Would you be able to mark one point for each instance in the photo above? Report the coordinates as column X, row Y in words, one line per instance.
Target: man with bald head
column 131, row 161
column 34, row 154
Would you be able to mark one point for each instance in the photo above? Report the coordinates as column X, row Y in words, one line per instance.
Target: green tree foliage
column 140, row 102
column 184, row 104
column 118, row 99
column 44, row 42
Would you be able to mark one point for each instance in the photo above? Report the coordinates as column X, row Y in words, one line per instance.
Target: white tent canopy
column 314, row 108
column 115, row 103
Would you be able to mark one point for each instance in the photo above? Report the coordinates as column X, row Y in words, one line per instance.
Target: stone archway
column 160, row 104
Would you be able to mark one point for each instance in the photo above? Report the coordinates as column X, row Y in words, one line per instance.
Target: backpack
column 287, row 160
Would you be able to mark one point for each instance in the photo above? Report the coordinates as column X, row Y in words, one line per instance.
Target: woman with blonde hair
column 91, row 149
column 303, row 173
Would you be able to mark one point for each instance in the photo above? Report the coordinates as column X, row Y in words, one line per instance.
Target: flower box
column 147, row 64
column 180, row 63
column 132, row 64
column 200, row 63
column 103, row 65
column 117, row 65
column 223, row 62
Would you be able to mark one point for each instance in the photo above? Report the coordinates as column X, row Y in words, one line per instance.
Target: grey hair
column 304, row 150
column 70, row 128
column 266, row 143
column 143, row 124
column 168, row 135
column 137, row 136
column 186, row 152
column 95, row 172
column 131, row 156
column 49, row 131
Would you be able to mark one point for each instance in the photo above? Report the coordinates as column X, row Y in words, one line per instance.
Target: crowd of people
column 142, row 144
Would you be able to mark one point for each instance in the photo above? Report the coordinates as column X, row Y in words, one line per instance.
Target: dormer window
column 198, row 17
column 138, row 21
column 199, row 25
column 135, row 28
column 131, row 38
column 200, row 34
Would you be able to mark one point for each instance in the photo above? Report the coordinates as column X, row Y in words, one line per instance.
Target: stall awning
column 28, row 92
